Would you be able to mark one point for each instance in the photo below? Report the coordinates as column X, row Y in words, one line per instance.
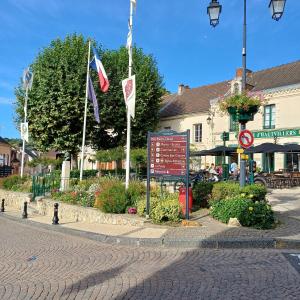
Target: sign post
column 168, row 157
column 246, row 140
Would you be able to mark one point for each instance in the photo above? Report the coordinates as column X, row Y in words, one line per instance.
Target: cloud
column 6, row 101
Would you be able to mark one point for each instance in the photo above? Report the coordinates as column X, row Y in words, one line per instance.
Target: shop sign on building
column 276, row 133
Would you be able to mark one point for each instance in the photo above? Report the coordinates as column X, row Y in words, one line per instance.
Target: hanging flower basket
column 242, row 107
column 241, row 115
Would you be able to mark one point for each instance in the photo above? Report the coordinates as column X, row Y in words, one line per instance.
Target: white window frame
column 197, row 130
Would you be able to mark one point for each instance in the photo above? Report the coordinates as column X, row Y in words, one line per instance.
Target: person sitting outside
column 234, row 169
column 213, row 175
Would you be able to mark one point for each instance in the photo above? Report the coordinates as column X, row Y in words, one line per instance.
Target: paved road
column 36, row 263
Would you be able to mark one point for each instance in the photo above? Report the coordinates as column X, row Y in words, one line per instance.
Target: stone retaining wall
column 14, row 199
column 70, row 213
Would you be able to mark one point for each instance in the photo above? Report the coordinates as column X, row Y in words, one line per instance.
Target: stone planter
column 74, row 213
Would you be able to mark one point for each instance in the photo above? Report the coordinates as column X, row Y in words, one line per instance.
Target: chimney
column 181, row 88
column 239, row 72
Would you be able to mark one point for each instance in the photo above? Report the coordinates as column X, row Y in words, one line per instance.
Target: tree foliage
column 110, row 155
column 56, row 101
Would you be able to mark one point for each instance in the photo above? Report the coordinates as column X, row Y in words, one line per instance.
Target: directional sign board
column 168, row 155
column 168, row 158
column 246, row 138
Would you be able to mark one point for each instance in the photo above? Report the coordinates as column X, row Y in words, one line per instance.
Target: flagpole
column 25, row 120
column 128, row 112
column 85, row 113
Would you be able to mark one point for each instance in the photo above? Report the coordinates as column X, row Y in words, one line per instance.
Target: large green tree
column 56, row 101
column 149, row 90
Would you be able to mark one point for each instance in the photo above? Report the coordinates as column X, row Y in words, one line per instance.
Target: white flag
column 129, row 38
column 129, row 92
column 27, row 79
column 133, row 3
column 24, row 131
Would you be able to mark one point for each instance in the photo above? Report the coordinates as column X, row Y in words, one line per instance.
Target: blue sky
column 187, row 49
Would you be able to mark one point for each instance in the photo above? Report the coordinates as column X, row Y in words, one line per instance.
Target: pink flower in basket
column 132, row 210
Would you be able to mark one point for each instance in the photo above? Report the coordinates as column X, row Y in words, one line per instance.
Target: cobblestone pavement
column 36, row 263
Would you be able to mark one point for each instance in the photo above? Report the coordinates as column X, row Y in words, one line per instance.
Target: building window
column 269, row 116
column 236, row 88
column 198, row 133
column 233, row 126
column 167, row 128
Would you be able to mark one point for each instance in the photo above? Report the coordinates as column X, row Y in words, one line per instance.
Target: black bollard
column 2, row 206
column 55, row 217
column 24, row 214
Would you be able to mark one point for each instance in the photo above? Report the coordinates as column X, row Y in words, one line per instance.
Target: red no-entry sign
column 246, row 138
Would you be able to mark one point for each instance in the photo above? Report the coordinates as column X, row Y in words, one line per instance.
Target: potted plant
column 242, row 107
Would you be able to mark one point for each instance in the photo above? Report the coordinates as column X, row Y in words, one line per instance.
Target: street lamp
column 208, row 120
column 277, row 8
column 213, row 10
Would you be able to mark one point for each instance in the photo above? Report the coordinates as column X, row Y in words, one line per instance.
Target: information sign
column 168, row 155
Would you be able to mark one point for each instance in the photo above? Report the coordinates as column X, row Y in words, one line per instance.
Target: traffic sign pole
column 187, row 208
column 245, row 140
column 243, row 165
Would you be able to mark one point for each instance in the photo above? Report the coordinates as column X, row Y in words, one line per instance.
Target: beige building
column 5, row 152
column 277, row 122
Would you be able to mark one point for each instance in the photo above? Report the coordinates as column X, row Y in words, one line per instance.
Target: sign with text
column 168, row 158
column 168, row 154
column 276, row 133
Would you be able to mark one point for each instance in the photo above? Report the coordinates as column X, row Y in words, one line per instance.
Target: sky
column 177, row 33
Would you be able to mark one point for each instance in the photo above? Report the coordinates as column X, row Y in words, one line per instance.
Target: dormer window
column 236, row 87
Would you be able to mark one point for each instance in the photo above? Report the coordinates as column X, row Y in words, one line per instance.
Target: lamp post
column 214, row 10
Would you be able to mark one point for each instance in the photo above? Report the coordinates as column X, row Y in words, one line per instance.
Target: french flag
column 96, row 64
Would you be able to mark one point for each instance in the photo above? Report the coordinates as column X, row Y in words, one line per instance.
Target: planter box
column 241, row 115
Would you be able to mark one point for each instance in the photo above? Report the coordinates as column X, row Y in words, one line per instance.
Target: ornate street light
column 213, row 10
column 277, row 8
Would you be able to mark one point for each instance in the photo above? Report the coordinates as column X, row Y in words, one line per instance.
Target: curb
column 222, row 243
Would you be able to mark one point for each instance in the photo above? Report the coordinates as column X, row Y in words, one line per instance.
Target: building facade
column 278, row 121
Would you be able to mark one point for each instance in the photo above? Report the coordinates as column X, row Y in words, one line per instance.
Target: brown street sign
column 168, row 155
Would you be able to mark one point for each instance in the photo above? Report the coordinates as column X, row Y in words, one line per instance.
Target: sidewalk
column 209, row 234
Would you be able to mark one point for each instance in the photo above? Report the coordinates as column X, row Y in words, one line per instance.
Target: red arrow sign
column 246, row 138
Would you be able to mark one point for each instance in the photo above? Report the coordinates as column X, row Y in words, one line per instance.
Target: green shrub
column 162, row 209
column 135, row 190
column 252, row 214
column 85, row 174
column 255, row 192
column 166, row 210
column 225, row 190
column 201, row 193
column 17, row 183
column 112, row 197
